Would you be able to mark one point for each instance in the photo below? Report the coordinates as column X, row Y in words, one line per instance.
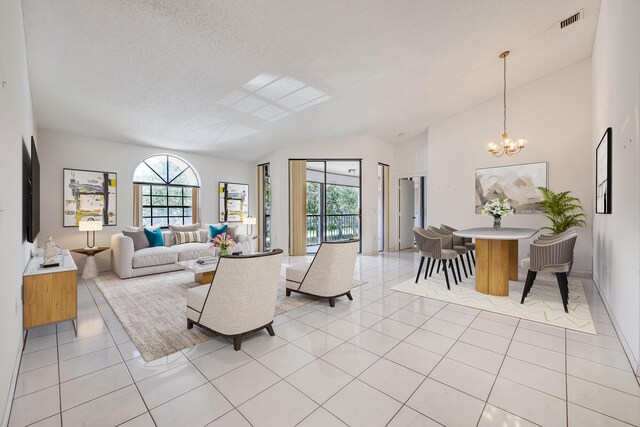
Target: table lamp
column 250, row 221
column 90, row 225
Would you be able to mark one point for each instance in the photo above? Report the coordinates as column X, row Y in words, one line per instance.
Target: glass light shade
column 90, row 225
column 249, row 221
column 522, row 142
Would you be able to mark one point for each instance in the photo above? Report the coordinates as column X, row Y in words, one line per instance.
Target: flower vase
column 496, row 222
column 224, row 251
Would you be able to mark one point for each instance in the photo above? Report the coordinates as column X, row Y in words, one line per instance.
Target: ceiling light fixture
column 508, row 146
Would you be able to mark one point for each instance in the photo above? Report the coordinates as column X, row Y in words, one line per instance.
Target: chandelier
column 508, row 146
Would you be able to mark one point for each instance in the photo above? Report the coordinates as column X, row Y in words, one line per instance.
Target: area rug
column 152, row 309
column 543, row 304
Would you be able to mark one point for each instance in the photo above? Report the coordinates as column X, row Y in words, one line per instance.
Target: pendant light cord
column 504, row 96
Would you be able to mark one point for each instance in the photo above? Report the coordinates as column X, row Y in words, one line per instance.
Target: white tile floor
column 385, row 358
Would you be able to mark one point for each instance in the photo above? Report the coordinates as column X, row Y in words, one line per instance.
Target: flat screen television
column 31, row 192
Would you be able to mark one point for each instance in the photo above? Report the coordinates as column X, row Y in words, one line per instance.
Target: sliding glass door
column 333, row 201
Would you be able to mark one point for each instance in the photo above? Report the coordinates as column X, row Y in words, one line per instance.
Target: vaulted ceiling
column 242, row 78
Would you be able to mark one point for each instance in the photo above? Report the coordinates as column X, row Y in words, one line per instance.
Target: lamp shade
column 90, row 225
column 249, row 221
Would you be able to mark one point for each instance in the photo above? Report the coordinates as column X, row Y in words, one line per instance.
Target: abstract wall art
column 518, row 183
column 234, row 201
column 603, row 174
column 89, row 194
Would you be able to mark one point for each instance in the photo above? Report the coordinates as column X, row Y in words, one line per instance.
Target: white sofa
column 126, row 262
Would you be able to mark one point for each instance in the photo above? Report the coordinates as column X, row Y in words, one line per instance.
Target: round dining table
column 496, row 256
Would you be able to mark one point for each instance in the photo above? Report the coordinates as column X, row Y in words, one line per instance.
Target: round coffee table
column 90, row 269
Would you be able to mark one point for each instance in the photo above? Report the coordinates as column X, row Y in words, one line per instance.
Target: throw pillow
column 216, row 230
column 232, row 231
column 154, row 237
column 177, row 228
column 140, row 240
column 187, row 237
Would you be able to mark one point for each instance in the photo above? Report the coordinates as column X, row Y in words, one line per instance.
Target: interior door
column 407, row 207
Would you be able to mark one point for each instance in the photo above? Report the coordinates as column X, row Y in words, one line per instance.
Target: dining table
column 496, row 256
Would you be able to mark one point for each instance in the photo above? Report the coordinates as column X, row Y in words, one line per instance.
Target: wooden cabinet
column 49, row 295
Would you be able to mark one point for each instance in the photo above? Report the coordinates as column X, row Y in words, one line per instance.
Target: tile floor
column 385, row 358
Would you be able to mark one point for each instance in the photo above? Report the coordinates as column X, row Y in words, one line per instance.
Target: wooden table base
column 496, row 264
column 205, row 278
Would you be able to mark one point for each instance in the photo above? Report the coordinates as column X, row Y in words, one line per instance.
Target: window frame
column 167, row 184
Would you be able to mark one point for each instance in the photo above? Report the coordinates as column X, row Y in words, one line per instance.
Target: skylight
column 272, row 97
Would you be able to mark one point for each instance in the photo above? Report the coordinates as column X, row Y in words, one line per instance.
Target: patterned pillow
column 187, row 237
column 177, row 228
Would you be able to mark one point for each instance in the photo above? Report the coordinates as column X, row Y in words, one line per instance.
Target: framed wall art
column 233, row 201
column 603, row 174
column 518, row 183
column 89, row 194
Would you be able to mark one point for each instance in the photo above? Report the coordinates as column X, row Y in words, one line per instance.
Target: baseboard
column 12, row 387
column 635, row 364
column 584, row 274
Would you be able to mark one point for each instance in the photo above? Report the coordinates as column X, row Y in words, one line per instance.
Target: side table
column 90, row 269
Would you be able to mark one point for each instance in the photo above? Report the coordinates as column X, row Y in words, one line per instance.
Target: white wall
column 616, row 104
column 58, row 151
column 370, row 150
column 553, row 112
column 411, row 157
column 16, row 123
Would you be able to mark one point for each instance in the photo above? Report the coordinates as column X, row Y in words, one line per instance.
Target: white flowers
column 497, row 208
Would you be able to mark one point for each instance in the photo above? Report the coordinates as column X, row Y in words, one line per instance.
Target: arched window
column 165, row 192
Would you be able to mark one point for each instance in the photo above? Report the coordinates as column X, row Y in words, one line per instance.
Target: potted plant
column 563, row 210
column 497, row 208
column 223, row 242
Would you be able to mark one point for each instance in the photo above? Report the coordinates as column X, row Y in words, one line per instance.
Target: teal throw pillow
column 154, row 237
column 215, row 231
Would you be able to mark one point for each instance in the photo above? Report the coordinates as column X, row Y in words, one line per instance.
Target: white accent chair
column 329, row 275
column 241, row 298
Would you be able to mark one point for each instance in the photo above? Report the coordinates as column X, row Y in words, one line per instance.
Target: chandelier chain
column 508, row 145
column 504, row 96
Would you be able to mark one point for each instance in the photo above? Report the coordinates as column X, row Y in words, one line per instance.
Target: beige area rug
column 152, row 309
column 543, row 304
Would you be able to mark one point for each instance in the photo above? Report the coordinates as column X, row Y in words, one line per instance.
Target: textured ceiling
column 242, row 78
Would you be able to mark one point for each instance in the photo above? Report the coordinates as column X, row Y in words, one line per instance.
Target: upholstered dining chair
column 557, row 236
column 435, row 247
column 554, row 256
column 468, row 243
column 328, row 275
column 241, row 298
column 458, row 246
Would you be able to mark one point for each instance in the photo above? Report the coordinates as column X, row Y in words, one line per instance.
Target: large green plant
column 563, row 210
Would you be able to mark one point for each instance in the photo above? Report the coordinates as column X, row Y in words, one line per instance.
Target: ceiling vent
column 572, row 19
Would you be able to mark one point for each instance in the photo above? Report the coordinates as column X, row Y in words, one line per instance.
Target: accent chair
column 328, row 275
column 241, row 298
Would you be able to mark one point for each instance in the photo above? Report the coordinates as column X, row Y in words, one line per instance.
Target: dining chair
column 554, row 256
column 458, row 246
column 435, row 247
column 468, row 243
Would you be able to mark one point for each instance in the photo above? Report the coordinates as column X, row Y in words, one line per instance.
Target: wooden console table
column 49, row 295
